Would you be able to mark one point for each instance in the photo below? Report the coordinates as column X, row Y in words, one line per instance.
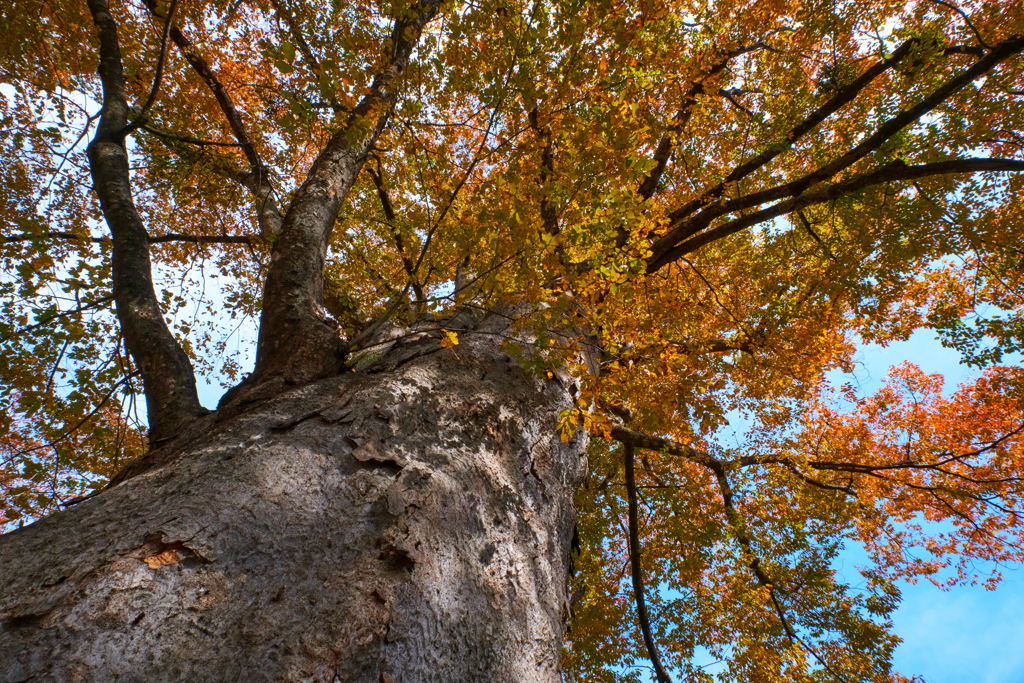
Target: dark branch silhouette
column 636, row 571
column 684, row 222
column 158, row 76
column 893, row 172
column 840, row 99
column 389, row 213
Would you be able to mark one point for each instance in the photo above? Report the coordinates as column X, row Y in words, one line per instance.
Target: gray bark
column 409, row 521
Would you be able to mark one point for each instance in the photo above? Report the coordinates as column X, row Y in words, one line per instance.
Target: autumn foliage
column 705, row 206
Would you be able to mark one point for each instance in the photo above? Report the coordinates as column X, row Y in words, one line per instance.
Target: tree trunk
column 410, row 521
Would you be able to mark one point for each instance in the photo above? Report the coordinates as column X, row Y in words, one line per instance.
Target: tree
column 500, row 253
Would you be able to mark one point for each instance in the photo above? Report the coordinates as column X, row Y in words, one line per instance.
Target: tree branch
column 201, row 67
column 157, row 239
column 683, row 227
column 967, row 20
column 637, row 571
column 739, row 529
column 818, row 116
column 187, row 139
column 81, row 308
column 548, row 214
column 655, row 443
column 389, row 213
column 735, row 520
column 667, row 144
column 167, row 376
column 895, row 171
column 294, row 342
column 50, row 234
column 257, row 181
column 143, row 116
column 202, row 239
column 284, row 12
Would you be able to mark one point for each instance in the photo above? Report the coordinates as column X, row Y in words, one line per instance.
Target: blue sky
column 967, row 633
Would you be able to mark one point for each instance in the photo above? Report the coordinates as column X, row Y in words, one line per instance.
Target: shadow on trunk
column 407, row 521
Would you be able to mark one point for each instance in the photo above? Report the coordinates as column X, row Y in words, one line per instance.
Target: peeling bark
column 409, row 521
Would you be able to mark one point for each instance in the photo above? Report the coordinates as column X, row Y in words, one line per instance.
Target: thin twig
column 158, row 76
column 637, row 571
column 967, row 20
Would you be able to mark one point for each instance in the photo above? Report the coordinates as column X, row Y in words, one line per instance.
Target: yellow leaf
column 449, row 339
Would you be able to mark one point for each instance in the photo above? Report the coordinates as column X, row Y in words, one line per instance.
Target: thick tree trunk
column 407, row 522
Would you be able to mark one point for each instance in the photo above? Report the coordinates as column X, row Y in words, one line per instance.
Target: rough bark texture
column 408, row 521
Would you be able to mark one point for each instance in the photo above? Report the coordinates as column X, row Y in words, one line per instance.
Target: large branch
column 294, row 342
column 268, row 215
column 167, row 376
column 186, row 139
column 896, row 171
column 840, row 99
column 682, row 227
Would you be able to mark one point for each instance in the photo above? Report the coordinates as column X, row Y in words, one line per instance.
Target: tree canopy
column 705, row 207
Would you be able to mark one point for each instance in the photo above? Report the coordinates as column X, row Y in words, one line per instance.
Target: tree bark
column 294, row 342
column 407, row 521
column 170, row 385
